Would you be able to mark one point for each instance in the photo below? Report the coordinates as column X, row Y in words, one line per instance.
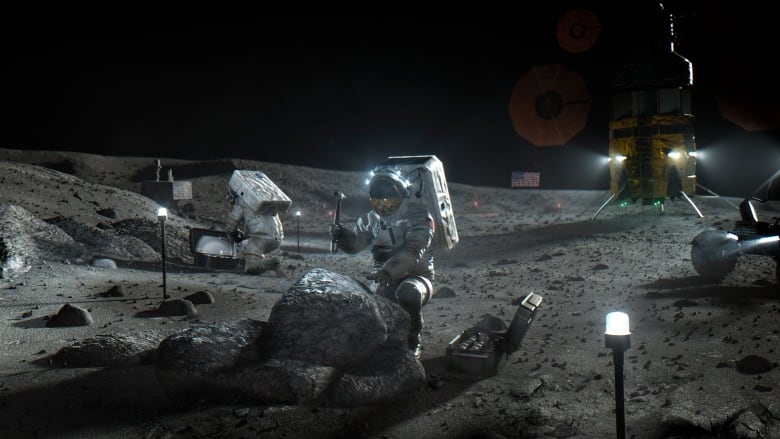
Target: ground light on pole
column 162, row 215
column 618, row 338
column 298, row 215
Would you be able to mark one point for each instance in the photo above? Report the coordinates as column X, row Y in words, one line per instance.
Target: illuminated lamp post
column 618, row 338
column 298, row 215
column 162, row 215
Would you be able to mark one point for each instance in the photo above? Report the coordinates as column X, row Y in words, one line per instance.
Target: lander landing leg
column 612, row 197
column 609, row 200
column 691, row 203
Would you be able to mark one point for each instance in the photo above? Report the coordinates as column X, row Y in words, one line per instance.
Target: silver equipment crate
column 213, row 249
column 480, row 352
column 256, row 191
column 426, row 174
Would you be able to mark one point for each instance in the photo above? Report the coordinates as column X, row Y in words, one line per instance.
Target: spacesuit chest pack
column 390, row 234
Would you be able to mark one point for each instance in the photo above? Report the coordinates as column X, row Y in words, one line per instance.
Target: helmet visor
column 384, row 187
column 386, row 195
column 386, row 206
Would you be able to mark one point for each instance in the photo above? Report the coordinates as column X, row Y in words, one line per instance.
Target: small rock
column 70, row 315
column 115, row 291
column 200, row 298
column 178, row 307
column 104, row 263
column 444, row 292
column 754, row 364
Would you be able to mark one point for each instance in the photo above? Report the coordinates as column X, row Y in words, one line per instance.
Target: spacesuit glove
column 381, row 277
column 233, row 235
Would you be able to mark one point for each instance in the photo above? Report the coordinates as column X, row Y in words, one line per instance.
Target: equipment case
column 480, row 352
column 213, row 249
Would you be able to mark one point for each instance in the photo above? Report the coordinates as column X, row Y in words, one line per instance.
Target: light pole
column 162, row 215
column 298, row 215
column 618, row 338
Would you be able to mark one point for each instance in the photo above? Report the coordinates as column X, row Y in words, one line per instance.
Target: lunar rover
column 714, row 253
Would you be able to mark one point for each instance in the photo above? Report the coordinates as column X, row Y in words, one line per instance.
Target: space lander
column 652, row 148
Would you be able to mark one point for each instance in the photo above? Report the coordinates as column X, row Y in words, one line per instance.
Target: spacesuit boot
column 253, row 264
column 274, row 264
column 412, row 294
column 413, row 340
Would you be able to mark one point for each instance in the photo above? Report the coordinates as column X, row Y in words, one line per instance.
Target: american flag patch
column 525, row 179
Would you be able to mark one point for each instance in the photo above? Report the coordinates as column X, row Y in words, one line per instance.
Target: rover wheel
column 714, row 254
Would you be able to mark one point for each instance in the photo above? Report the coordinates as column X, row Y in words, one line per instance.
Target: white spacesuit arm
column 234, row 218
column 417, row 241
column 278, row 226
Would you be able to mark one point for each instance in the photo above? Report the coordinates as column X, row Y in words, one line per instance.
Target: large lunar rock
column 332, row 320
column 328, row 341
column 26, row 240
column 199, row 361
column 111, row 350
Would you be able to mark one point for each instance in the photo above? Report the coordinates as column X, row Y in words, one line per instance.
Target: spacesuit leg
column 255, row 260
column 413, row 293
column 272, row 262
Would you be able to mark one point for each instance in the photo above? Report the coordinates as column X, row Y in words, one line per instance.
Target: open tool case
column 480, row 352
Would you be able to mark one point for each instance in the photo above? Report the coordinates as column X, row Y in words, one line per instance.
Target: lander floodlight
column 618, row 338
column 162, row 215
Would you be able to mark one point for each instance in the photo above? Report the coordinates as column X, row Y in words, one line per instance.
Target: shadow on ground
column 72, row 402
column 699, row 287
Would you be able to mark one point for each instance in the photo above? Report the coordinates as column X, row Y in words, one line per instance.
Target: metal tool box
column 213, row 249
column 480, row 352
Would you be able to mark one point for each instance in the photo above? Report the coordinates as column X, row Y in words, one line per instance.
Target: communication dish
column 549, row 105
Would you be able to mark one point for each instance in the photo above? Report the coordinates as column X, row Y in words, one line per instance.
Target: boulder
column 328, row 341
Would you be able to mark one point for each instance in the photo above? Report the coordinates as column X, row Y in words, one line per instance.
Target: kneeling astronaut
column 410, row 218
column 253, row 221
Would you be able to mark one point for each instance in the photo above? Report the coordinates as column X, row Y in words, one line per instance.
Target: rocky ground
column 702, row 362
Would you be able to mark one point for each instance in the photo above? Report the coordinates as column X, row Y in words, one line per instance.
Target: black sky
column 343, row 92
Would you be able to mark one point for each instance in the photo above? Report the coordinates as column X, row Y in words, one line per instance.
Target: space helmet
column 387, row 191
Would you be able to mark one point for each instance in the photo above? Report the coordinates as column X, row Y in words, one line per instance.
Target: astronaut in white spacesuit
column 256, row 234
column 401, row 231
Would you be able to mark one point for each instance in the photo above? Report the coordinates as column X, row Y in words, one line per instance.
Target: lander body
column 652, row 147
